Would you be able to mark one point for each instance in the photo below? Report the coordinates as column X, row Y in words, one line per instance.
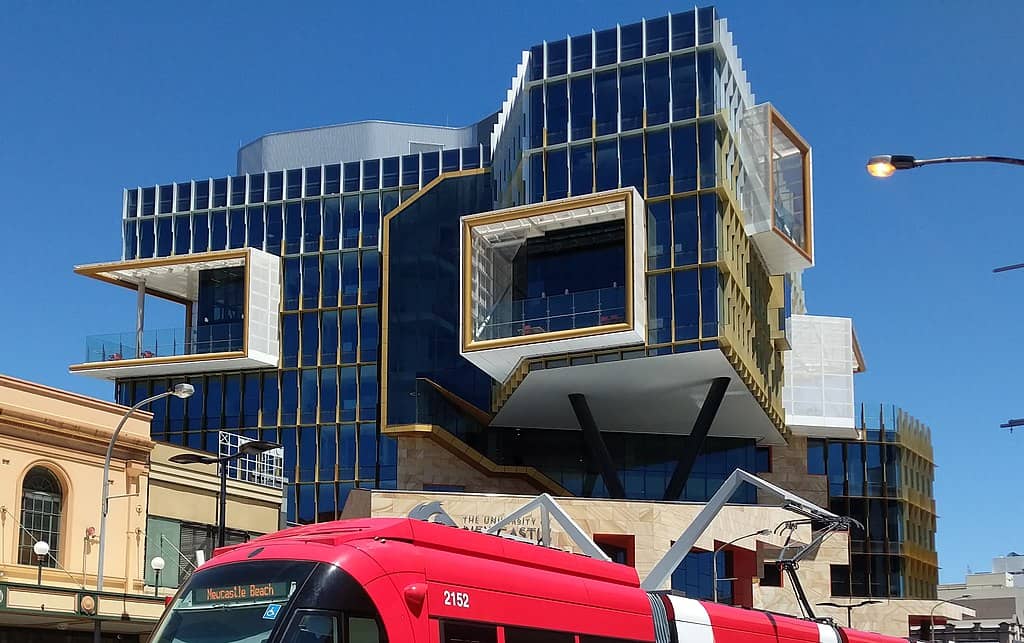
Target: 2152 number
column 456, row 599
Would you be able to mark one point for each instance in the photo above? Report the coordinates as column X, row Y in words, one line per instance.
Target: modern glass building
column 588, row 292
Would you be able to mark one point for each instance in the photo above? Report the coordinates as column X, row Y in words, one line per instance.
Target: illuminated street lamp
column 41, row 550
column 884, row 165
column 158, row 565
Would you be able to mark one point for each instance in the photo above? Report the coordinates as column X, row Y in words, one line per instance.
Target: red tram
column 407, row 581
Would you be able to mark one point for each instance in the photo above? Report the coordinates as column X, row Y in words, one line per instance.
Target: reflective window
column 290, row 340
column 250, row 400
column 431, row 162
column 536, row 164
column 292, row 281
column 684, row 87
column 131, row 240
column 557, row 174
column 311, row 281
column 202, row 198
column 371, row 174
column 370, row 276
column 706, row 82
column 606, row 102
column 41, row 509
column 582, row 107
column 582, row 169
column 389, row 172
column 368, row 392
column 294, row 184
column 312, row 181
column 148, row 201
column 709, row 287
column 657, row 36
column 310, row 394
column 256, row 188
column 368, row 331
column 254, row 223
column 687, row 304
column 311, row 226
column 705, row 25
column 200, row 233
column 232, row 397
column 131, row 206
column 350, row 222
column 165, row 201
column 685, row 233
column 214, row 403
column 274, row 229
column 788, row 202
column 411, row 169
column 275, row 186
column 329, row 337
column 289, row 402
column 349, row 335
column 659, row 235
column 632, row 37
column 708, row 227
column 349, row 278
column 536, row 116
column 182, row 234
column 816, row 457
column 708, row 153
column 164, row 236
column 659, row 163
column 557, row 63
column 368, row 442
column 536, row 62
column 632, row 97
column 683, row 30
column 557, row 112
column 657, row 92
column 184, row 201
column 582, row 54
column 659, row 308
column 331, row 274
column 347, row 439
column 450, row 160
column 351, row 182
column 292, row 227
column 220, row 193
column 684, row 158
column 607, row 47
column 371, row 218
column 631, row 153
column 237, row 190
column 332, row 223
column 607, row 172
column 218, row 230
column 147, row 238
column 332, row 179
column 236, row 228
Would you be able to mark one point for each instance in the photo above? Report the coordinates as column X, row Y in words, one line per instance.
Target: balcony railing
column 170, row 342
column 584, row 309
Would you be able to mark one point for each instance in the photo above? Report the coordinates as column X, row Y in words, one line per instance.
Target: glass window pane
column 332, row 179
column 350, row 223
column 557, row 174
column 371, row 174
column 182, row 234
column 311, row 281
column 684, row 87
column 705, row 25
column 236, row 228
column 685, row 244
column 275, row 186
column 657, row 36
column 368, row 331
column 557, row 63
column 706, row 82
column 371, row 218
column 220, row 194
column 657, row 92
column 607, row 165
column 582, row 54
column 349, row 335
column 582, row 108
column 254, row 224
column 310, row 396
column 347, row 439
column 218, row 230
column 389, row 172
column 256, row 188
column 292, row 227
column 607, row 47
column 367, row 451
column 683, row 30
column 368, row 392
column 631, row 151
column 606, row 102
column 164, row 236
column 687, row 304
column 632, row 41
column 200, row 233
column 292, row 283
column 684, row 158
column 450, row 160
column 659, row 163
column 708, row 153
column 388, row 201
column 557, row 112
column 431, row 162
column 536, row 184
column 294, row 184
column 708, row 227
column 202, row 196
column 369, row 283
column 329, row 337
column 331, row 274
column 411, row 169
column 709, row 288
column 582, row 174
column 237, row 190
column 351, row 182
column 312, row 181
column 328, row 434
column 270, row 401
column 332, row 223
column 165, row 200
column 311, row 226
column 349, row 278
column 147, row 238
column 536, row 116
column 632, row 97
column 659, row 308
column 275, row 228
column 184, row 201
column 290, row 340
column 148, row 201
column 659, row 235
column 536, row 71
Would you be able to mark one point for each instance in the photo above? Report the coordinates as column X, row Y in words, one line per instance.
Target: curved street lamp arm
column 970, row 159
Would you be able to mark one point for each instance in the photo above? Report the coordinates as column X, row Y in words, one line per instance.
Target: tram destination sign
column 240, row 593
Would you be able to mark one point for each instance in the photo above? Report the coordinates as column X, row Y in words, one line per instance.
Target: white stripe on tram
column 827, row 634
column 693, row 624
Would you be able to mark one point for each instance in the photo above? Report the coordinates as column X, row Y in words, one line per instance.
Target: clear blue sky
column 98, row 96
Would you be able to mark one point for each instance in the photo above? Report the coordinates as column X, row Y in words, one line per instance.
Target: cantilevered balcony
column 229, row 302
column 553, row 277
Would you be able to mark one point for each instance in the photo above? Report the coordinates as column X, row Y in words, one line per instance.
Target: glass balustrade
column 569, row 311
column 171, row 342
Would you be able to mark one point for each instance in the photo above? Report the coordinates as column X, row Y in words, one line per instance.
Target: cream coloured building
column 52, row 449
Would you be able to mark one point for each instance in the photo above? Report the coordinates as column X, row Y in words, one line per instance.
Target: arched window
column 41, row 498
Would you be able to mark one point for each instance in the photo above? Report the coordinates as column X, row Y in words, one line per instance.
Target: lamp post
column 883, row 166
column 181, row 391
column 158, row 565
column 931, row 614
column 41, row 549
column 849, row 607
column 249, row 448
column 714, row 558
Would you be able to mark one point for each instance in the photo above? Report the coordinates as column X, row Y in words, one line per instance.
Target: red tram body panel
column 415, row 579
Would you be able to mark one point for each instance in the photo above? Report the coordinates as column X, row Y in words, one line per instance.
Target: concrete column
column 140, row 317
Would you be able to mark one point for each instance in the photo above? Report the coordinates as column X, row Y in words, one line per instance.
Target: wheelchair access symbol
column 271, row 613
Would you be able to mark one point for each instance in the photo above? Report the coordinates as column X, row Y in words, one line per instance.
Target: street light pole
column 249, row 448
column 714, row 558
column 849, row 607
column 883, row 166
column 181, row 391
column 931, row 614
